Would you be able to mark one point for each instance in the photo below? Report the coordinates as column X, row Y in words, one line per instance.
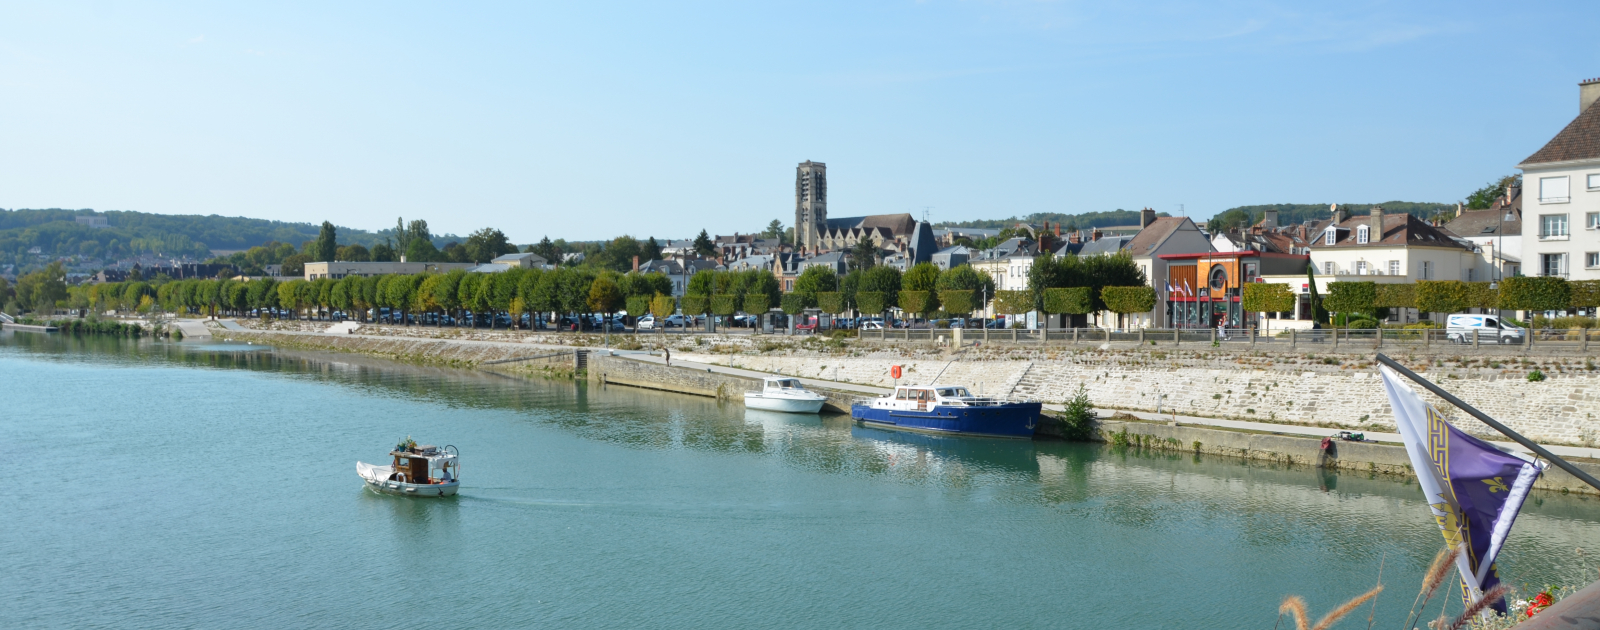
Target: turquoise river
column 192, row 485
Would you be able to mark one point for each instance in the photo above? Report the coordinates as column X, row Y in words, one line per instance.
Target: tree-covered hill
column 1068, row 221
column 1290, row 213
column 56, row 232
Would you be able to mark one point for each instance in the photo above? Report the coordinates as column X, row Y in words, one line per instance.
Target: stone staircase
column 1010, row 389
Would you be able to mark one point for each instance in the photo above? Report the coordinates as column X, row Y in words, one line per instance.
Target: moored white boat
column 784, row 394
column 421, row 471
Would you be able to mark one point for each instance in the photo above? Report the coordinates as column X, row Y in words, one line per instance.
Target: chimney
column 1146, row 217
column 402, row 258
column 1058, row 229
column 1338, row 214
column 1095, row 235
column 1377, row 224
column 1075, row 237
column 636, row 263
column 1270, row 222
column 1458, row 209
column 1588, row 91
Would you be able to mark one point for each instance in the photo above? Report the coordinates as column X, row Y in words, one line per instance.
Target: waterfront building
column 1497, row 233
column 340, row 269
column 1564, row 177
column 1202, row 290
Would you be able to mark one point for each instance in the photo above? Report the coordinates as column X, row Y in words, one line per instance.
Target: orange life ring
column 894, row 371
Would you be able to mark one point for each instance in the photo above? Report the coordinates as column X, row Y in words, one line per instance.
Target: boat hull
column 1011, row 420
column 788, row 405
column 414, row 489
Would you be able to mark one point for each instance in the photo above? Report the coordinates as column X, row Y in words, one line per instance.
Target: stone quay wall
column 1562, row 409
column 1384, row 459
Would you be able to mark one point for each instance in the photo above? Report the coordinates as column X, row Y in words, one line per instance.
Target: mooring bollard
column 1292, row 339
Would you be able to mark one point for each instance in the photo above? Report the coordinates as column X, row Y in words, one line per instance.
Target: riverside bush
column 1078, row 419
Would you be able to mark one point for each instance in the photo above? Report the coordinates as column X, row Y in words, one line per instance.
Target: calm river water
column 157, row 485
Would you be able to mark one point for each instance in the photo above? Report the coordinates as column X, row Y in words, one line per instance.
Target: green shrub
column 1535, row 294
column 1396, row 296
column 1078, row 419
column 1071, row 300
column 1441, row 296
column 1535, row 376
column 1262, row 297
column 831, row 302
column 793, row 303
column 1013, row 302
column 1351, row 297
column 1139, row 299
column 757, row 303
column 915, row 302
column 871, row 302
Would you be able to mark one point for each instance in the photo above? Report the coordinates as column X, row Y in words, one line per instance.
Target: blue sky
column 588, row 120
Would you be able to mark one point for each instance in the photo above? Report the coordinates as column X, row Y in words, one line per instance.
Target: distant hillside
column 1299, row 212
column 1067, row 221
column 56, row 232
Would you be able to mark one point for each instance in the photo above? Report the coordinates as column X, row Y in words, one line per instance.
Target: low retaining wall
column 410, row 350
column 624, row 371
column 1389, row 459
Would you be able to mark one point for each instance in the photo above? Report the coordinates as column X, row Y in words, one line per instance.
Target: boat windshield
column 787, row 383
column 954, row 392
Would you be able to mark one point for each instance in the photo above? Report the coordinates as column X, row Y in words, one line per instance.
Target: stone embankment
column 1313, row 390
column 1297, row 389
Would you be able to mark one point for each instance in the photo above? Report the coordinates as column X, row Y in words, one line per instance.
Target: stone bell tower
column 810, row 204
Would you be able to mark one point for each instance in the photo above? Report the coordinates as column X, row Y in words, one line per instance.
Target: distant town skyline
column 585, row 122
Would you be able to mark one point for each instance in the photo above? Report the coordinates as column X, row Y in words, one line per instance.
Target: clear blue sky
column 585, row 120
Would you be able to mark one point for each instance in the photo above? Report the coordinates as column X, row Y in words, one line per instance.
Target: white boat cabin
column 424, row 465
column 773, row 385
column 924, row 398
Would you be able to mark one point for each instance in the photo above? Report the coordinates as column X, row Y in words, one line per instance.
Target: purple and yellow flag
column 1473, row 489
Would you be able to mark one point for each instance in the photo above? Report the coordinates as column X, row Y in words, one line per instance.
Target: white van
column 1491, row 329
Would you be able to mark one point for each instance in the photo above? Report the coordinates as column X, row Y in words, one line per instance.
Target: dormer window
column 1363, row 235
column 1329, row 237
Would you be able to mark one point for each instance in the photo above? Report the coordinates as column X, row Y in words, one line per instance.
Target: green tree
column 958, row 301
column 1352, row 297
column 884, row 281
column 354, row 253
column 872, row 302
column 1069, row 300
column 922, row 278
column 815, row 279
column 382, row 252
column 1440, row 296
column 327, row 243
column 703, row 245
column 488, row 244
column 1484, row 197
column 604, row 296
column 965, row 278
column 1129, row 300
column 1079, row 419
column 295, row 265
column 863, row 255
column 621, row 251
column 422, row 250
column 1260, row 297
column 832, row 302
column 1013, row 302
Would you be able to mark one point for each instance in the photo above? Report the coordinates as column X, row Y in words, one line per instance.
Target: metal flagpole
column 1494, row 424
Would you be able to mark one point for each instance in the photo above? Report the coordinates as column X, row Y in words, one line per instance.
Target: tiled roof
column 1106, row 245
column 1579, row 141
column 1399, row 229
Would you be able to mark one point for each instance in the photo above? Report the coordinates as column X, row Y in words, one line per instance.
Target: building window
column 1594, row 181
column 1554, row 190
column 1472, row 275
column 1327, row 268
column 1329, row 238
column 1361, row 267
column 1425, row 270
column 1553, row 264
column 1363, row 235
column 1553, row 226
column 1394, row 267
column 1592, row 220
column 1591, row 260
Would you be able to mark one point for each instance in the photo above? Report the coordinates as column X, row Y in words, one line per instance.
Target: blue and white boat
column 948, row 410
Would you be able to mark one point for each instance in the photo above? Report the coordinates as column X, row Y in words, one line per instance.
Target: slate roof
column 1106, row 245
column 1153, row 235
column 1491, row 222
column 1579, row 141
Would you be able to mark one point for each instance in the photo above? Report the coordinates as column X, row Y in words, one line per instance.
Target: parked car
column 675, row 321
column 1460, row 327
column 648, row 322
column 871, row 324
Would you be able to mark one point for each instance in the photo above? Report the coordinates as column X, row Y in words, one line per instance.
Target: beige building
column 336, row 270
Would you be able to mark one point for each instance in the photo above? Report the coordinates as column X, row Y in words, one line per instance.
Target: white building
column 1496, row 231
column 1563, row 181
column 1393, row 244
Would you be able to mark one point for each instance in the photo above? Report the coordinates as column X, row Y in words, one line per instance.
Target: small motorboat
column 422, row 471
column 784, row 394
column 948, row 410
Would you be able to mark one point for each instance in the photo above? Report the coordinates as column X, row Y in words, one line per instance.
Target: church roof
column 897, row 224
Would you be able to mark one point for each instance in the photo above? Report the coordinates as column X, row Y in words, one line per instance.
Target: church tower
column 810, row 204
